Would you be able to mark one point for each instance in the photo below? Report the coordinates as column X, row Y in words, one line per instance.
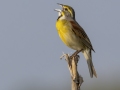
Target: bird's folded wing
column 78, row 30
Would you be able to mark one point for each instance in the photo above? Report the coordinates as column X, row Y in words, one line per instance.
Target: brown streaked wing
column 78, row 30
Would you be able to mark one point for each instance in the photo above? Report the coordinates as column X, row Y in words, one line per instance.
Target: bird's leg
column 75, row 53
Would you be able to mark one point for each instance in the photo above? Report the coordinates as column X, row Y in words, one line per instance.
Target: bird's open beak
column 58, row 10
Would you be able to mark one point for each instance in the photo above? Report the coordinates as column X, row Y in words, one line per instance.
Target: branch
column 72, row 61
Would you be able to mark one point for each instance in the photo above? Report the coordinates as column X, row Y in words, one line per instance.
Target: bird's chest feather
column 66, row 34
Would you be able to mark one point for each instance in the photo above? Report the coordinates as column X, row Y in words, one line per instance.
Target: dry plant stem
column 77, row 80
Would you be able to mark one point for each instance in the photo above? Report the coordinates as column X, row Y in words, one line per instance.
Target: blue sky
column 30, row 46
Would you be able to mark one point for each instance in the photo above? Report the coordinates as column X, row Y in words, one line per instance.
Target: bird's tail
column 88, row 57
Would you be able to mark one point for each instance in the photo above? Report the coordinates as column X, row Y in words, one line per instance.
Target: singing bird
column 73, row 35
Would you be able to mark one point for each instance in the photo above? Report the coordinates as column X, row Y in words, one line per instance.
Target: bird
column 74, row 36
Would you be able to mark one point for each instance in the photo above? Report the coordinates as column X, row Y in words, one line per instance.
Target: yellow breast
column 66, row 34
column 63, row 30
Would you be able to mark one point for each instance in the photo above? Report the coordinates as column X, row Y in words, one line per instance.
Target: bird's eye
column 66, row 9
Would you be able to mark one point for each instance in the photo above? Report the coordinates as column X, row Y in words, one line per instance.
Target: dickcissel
column 73, row 35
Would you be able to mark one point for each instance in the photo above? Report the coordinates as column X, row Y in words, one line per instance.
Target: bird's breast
column 68, row 36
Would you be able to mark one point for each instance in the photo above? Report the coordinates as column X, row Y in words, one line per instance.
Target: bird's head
column 69, row 9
